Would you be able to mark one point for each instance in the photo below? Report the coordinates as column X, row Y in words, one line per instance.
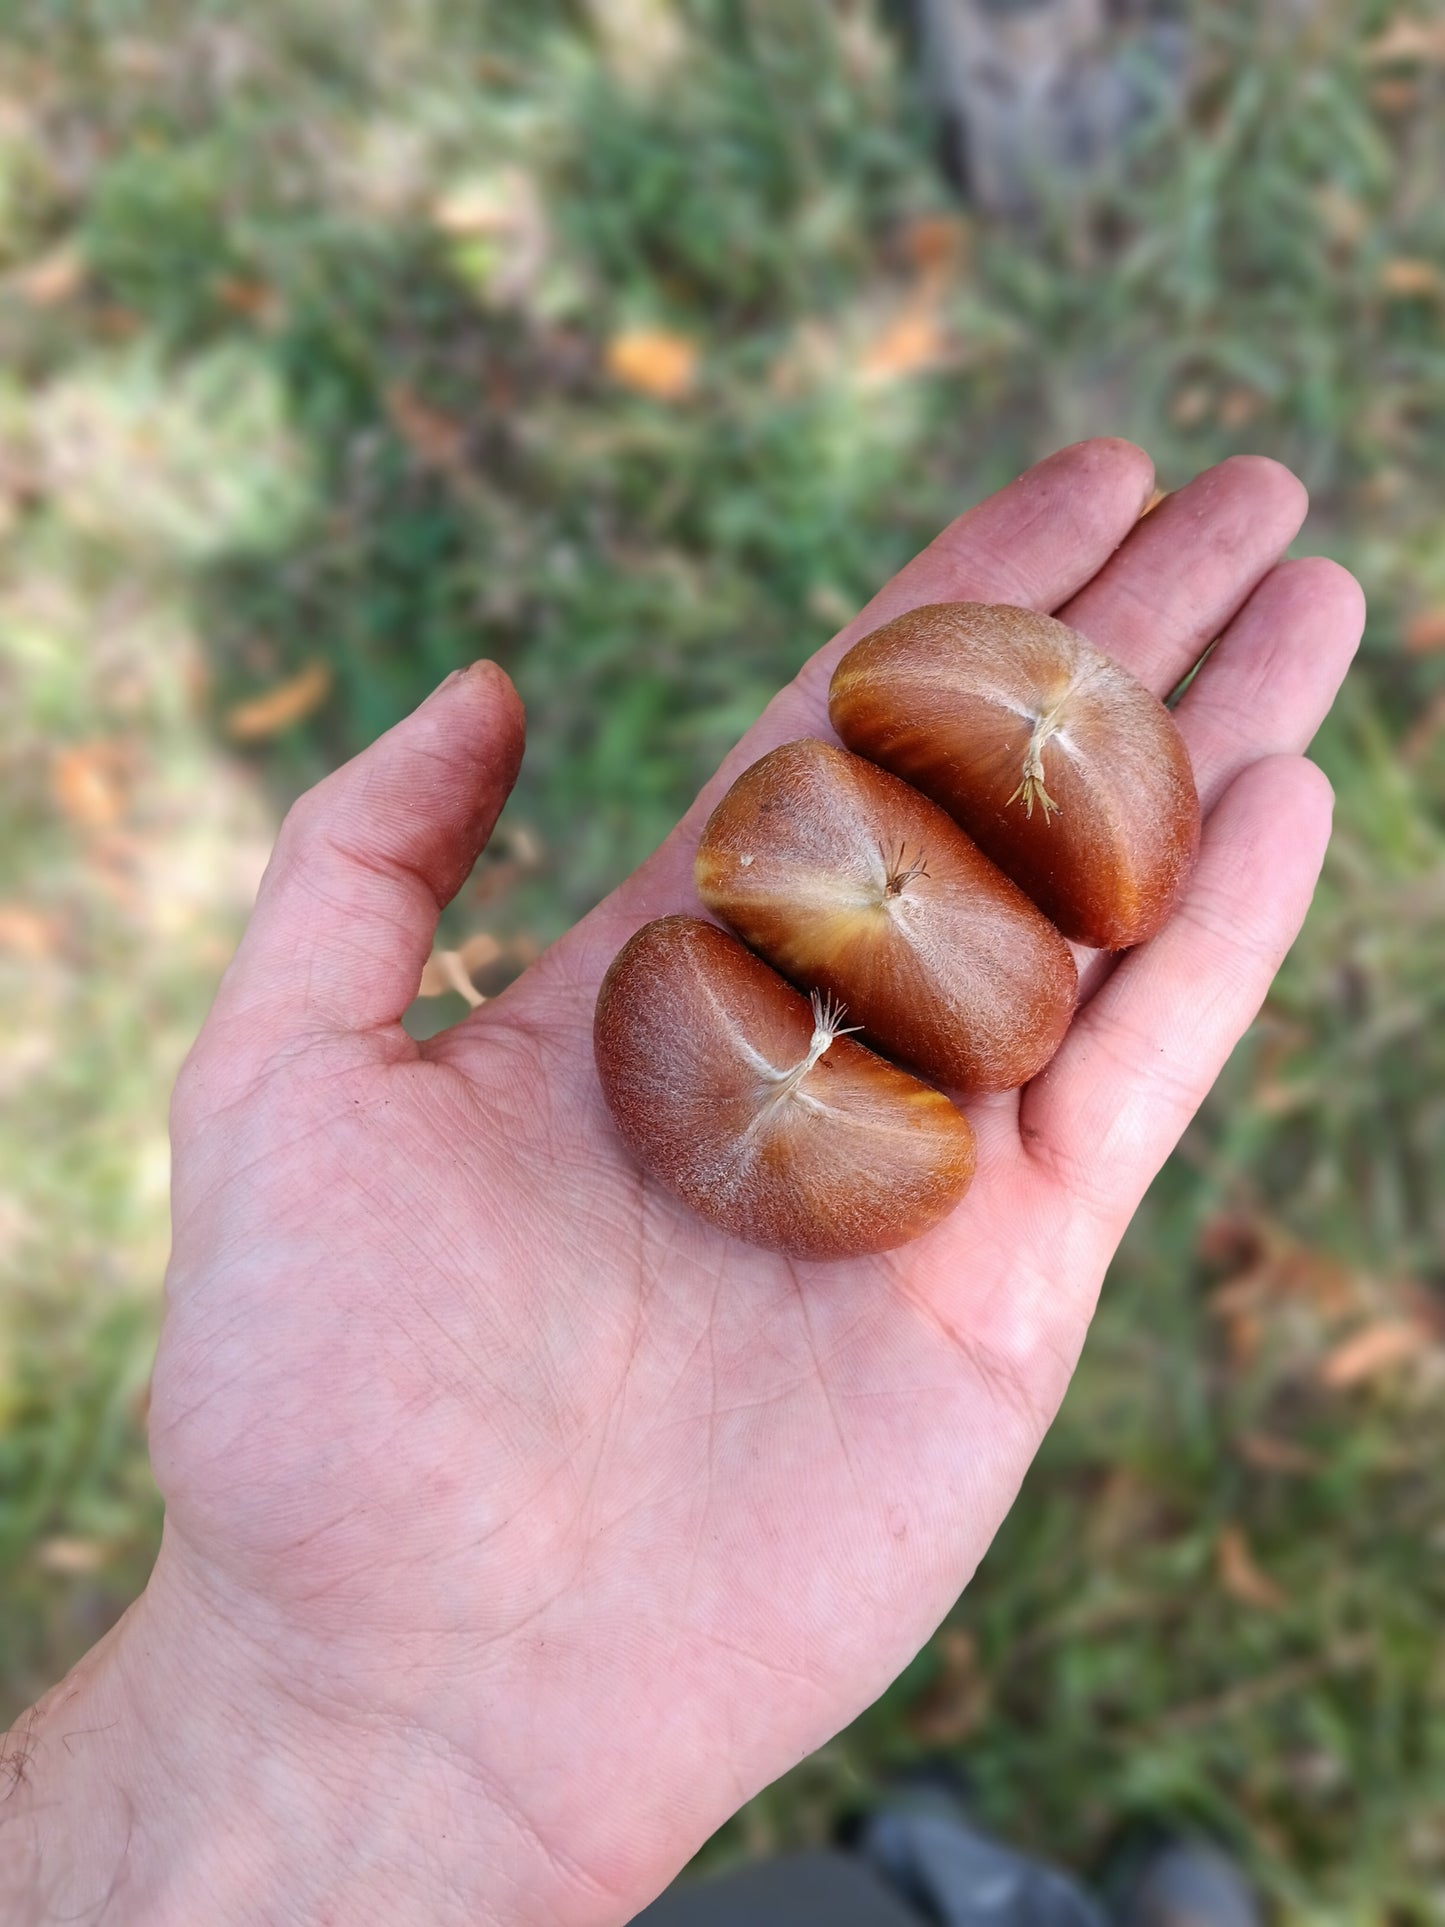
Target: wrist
column 167, row 1780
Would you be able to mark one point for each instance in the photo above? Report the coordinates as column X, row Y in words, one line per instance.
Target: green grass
column 307, row 397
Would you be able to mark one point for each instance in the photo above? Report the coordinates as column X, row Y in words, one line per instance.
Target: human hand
column 519, row 1525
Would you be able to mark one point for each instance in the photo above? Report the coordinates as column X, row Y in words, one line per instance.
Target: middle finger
column 1185, row 570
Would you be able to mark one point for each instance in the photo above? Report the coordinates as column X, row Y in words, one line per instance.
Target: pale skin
column 520, row 1526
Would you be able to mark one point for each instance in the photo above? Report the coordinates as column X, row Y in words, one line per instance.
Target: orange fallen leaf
column 1411, row 278
column 55, row 278
column 1241, row 1577
column 86, row 782
column 1267, row 1452
column 954, row 1706
column 292, row 701
column 434, row 439
column 653, row 361
column 1407, row 39
column 936, row 244
column 255, row 300
column 1425, row 631
column 70, row 1557
column 25, row 932
column 1395, row 97
column 1372, row 1352
column 910, row 344
column 1330, row 1287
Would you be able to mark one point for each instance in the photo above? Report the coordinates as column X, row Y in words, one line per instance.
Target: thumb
column 363, row 866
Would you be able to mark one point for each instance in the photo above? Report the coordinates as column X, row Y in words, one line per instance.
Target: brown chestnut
column 851, row 883
column 751, row 1104
column 1061, row 766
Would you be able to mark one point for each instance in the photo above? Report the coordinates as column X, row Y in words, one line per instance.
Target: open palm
column 553, row 1522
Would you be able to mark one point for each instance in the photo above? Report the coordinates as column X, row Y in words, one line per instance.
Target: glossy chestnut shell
column 712, row 1068
column 1062, row 767
column 850, row 882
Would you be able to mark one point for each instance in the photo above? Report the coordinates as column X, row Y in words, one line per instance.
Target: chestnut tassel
column 1062, row 767
column 752, row 1104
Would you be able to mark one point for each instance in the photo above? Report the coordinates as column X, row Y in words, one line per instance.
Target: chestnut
column 1062, row 767
column 751, row 1104
column 851, row 883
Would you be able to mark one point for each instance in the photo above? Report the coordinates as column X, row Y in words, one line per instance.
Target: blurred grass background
column 635, row 342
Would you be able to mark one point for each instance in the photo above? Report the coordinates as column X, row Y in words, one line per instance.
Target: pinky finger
column 1144, row 1052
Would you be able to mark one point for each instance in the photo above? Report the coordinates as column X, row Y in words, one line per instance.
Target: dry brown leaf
column 1241, row 1577
column 117, row 323
column 811, row 358
column 1243, row 1338
column 26, row 932
column 292, row 701
column 254, row 300
column 1419, row 739
column 1395, row 97
column 643, row 41
column 829, row 604
column 523, row 845
column 1127, row 1512
column 910, row 344
column 496, row 71
column 1411, row 278
column 86, row 781
column 1385, row 486
column 1191, row 405
column 937, row 244
column 1267, row 1452
column 70, row 1557
column 1372, row 1352
column 1408, row 39
column 472, row 209
column 54, row 279
column 1240, row 407
column 653, row 361
column 1344, row 216
column 955, row 1705
column 479, row 950
column 452, row 970
column 1285, row 1272
column 444, row 971
column 506, row 210
column 1233, row 1240
column 435, row 440
column 1245, row 1695
column 1425, row 631
column 1328, row 1285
